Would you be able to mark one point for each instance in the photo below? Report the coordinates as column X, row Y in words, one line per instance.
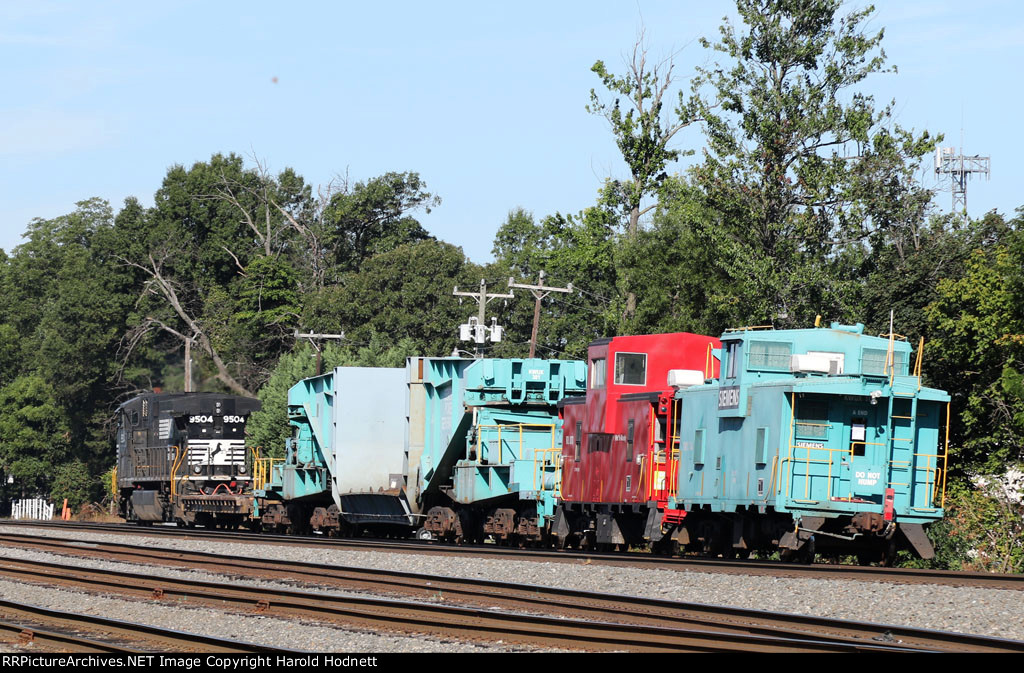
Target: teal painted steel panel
column 490, row 429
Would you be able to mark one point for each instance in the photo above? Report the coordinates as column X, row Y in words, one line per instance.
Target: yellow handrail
column 945, row 459
column 517, row 426
column 262, row 469
column 179, row 457
column 917, row 365
column 751, row 327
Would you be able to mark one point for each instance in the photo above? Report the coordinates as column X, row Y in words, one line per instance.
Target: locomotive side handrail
column 179, row 457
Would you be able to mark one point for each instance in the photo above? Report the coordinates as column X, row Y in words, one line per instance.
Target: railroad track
column 58, row 630
column 623, row 559
column 531, row 614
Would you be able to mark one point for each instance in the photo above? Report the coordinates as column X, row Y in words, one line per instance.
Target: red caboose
column 616, row 472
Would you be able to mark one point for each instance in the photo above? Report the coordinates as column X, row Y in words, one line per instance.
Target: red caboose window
column 598, row 372
column 630, row 369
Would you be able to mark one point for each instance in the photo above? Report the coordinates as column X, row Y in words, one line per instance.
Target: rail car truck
column 811, row 439
column 182, row 457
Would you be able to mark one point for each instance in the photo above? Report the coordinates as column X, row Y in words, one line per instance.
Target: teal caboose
column 486, row 437
column 811, row 440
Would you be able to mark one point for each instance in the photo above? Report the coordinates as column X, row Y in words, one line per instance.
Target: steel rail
column 623, row 559
column 439, row 619
column 26, row 634
column 578, row 604
column 64, row 628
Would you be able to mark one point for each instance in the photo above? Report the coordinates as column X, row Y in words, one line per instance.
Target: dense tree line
column 802, row 203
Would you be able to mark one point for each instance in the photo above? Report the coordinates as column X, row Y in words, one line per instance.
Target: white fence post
column 32, row 508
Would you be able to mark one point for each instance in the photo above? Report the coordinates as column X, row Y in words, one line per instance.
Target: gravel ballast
column 992, row 612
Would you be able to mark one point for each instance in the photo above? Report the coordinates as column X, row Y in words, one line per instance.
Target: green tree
column 976, row 351
column 374, row 217
column 267, row 309
column 35, row 436
column 402, row 293
column 73, row 481
column 578, row 249
column 66, row 298
column 268, row 428
column 643, row 135
column 681, row 283
column 209, row 224
column 982, row 531
column 800, row 164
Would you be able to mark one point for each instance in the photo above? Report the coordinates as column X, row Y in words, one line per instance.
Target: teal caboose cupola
column 730, row 391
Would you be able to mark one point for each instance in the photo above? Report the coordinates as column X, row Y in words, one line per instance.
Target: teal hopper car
column 811, row 440
column 344, row 469
column 486, row 437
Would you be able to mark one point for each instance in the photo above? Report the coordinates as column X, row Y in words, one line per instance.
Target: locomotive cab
column 182, row 458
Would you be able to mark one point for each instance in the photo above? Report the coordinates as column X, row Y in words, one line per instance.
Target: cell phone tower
column 959, row 167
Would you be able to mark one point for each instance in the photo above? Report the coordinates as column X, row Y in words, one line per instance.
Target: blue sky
column 486, row 102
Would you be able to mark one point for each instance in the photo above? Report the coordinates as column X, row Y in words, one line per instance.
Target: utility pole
column 476, row 329
column 319, row 351
column 539, row 291
column 188, row 365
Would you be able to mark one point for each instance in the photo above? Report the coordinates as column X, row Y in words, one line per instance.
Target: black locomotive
column 181, row 457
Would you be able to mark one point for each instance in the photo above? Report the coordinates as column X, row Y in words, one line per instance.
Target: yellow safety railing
column 945, row 459
column 935, row 476
column 558, row 479
column 807, row 460
column 853, row 452
column 917, row 365
column 541, row 460
column 518, row 429
column 640, row 482
column 792, row 435
column 262, row 469
column 771, row 482
column 672, row 449
column 542, row 457
column 749, row 328
column 708, row 363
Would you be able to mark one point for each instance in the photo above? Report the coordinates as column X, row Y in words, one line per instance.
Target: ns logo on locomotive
column 800, row 441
